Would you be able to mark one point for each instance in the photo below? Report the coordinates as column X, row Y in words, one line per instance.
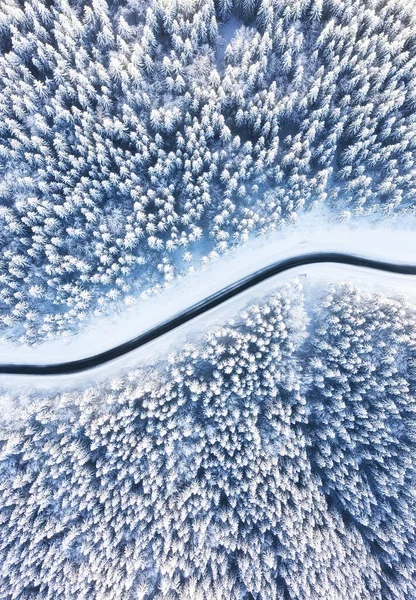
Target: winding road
column 76, row 366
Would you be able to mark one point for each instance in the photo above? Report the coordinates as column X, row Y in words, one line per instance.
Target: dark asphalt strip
column 200, row 308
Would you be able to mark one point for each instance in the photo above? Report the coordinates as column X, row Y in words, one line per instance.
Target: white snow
column 226, row 31
column 378, row 241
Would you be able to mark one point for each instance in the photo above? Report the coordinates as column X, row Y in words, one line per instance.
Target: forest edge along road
column 75, row 366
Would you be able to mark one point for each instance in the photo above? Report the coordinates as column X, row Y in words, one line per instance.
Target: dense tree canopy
column 274, row 459
column 133, row 143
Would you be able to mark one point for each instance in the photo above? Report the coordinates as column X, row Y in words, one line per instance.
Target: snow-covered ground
column 394, row 241
column 226, row 31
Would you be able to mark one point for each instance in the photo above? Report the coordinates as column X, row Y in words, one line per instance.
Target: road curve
column 76, row 366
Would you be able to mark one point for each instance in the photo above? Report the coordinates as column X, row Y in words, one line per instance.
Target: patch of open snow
column 226, row 31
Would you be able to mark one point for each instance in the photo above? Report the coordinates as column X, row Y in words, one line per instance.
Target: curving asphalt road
column 205, row 305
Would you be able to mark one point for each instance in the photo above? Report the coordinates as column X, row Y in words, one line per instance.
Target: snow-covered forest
column 139, row 138
column 271, row 455
column 274, row 459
